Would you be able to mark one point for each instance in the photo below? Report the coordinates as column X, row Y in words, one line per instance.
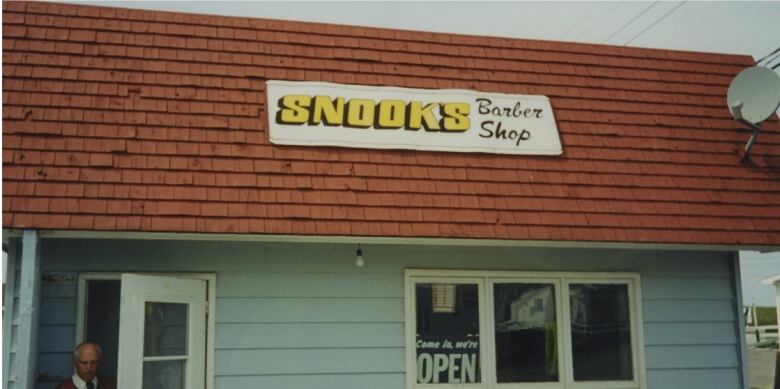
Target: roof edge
column 346, row 239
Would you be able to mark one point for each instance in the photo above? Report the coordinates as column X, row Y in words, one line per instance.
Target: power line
column 593, row 8
column 769, row 55
column 656, row 22
column 769, row 62
column 630, row 21
column 617, row 4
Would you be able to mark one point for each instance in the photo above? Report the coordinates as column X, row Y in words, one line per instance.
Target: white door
column 162, row 333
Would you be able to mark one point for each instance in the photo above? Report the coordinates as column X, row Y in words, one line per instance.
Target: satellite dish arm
column 749, row 145
column 736, row 111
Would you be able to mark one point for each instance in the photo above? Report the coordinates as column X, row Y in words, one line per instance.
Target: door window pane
column 525, row 333
column 600, row 332
column 165, row 329
column 447, row 326
column 164, row 374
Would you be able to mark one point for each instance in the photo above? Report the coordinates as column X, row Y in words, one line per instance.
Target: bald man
column 86, row 360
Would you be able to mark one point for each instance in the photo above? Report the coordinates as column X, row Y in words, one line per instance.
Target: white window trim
column 561, row 280
column 211, row 281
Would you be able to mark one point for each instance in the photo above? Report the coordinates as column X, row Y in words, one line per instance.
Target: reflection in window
column 447, row 333
column 600, row 332
column 165, row 329
column 526, row 332
column 164, row 374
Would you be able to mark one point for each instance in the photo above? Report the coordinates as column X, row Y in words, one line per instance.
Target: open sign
column 447, row 360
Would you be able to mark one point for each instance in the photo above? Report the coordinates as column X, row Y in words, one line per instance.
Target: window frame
column 562, row 281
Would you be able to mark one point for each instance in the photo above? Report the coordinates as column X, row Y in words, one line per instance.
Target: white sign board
column 325, row 114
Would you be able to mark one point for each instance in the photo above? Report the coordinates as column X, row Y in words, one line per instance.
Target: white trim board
column 85, row 234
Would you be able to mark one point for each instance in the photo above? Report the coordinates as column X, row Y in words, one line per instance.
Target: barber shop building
column 226, row 202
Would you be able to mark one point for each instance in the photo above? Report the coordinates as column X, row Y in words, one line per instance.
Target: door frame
column 211, row 307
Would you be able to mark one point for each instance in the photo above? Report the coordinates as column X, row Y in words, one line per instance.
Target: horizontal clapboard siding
column 696, row 333
column 57, row 327
column 367, row 285
column 310, row 361
column 319, row 381
column 309, row 310
column 686, row 311
column 309, row 335
column 692, row 356
column 304, row 316
column 694, row 378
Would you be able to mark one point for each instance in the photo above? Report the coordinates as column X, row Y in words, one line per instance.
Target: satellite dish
column 753, row 96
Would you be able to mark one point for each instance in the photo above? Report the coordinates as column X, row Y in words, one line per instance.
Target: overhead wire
column 631, row 21
column 769, row 62
column 593, row 8
column 768, row 55
column 656, row 22
column 594, row 24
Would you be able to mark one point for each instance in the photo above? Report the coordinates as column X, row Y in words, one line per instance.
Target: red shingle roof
column 130, row 120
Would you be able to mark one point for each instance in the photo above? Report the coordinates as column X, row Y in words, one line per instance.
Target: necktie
column 90, row 385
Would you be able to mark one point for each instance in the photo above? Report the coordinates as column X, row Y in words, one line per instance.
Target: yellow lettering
column 422, row 116
column 327, row 110
column 391, row 114
column 293, row 109
column 366, row 113
column 455, row 117
column 360, row 113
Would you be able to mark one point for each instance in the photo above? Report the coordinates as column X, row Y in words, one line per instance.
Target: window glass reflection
column 600, row 332
column 164, row 374
column 525, row 333
column 165, row 329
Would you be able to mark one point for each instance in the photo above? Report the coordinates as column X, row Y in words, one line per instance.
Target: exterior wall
column 304, row 316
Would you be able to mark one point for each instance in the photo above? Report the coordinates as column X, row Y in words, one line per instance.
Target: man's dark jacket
column 103, row 383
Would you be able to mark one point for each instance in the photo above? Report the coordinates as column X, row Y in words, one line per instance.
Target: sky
column 742, row 27
column 755, row 267
column 735, row 27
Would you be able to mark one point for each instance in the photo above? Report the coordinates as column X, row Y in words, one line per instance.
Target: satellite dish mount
column 736, row 112
column 753, row 96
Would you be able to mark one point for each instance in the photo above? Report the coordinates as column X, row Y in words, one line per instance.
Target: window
column 523, row 330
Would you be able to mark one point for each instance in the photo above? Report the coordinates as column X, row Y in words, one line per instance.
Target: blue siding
column 57, row 327
column 304, row 316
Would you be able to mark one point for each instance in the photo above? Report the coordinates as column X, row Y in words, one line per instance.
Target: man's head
column 86, row 360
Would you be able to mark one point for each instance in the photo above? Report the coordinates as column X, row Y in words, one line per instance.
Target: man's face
column 87, row 363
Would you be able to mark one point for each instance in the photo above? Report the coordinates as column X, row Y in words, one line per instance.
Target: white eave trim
column 85, row 234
